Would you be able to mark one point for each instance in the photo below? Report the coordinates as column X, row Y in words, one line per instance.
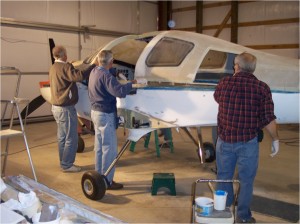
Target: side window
column 215, row 66
column 213, row 59
column 169, row 52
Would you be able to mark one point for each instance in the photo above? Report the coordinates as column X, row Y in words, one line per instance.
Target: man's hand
column 142, row 81
column 139, row 83
column 275, row 148
column 95, row 61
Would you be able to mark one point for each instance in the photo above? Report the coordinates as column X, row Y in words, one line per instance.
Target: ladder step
column 9, row 132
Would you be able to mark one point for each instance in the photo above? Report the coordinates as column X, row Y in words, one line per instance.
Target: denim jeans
column 105, row 142
column 244, row 155
column 67, row 136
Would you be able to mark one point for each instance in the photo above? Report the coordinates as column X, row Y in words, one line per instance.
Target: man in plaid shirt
column 245, row 107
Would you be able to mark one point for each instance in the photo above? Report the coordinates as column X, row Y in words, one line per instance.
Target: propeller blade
column 52, row 45
column 33, row 105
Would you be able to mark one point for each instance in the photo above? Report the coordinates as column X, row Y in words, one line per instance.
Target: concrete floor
column 277, row 178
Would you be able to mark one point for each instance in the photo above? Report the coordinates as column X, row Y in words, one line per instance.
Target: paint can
column 204, row 206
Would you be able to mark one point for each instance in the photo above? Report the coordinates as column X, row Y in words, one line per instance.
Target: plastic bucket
column 220, row 200
column 36, row 218
column 204, row 206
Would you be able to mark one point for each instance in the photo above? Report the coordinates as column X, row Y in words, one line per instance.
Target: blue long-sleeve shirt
column 103, row 89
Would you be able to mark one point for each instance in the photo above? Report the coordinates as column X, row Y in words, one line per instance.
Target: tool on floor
column 208, row 213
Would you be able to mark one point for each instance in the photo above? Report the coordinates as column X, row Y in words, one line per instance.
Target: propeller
column 38, row 101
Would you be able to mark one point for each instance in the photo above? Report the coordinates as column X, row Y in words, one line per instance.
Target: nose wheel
column 93, row 185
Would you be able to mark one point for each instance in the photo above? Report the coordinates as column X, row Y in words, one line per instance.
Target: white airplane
column 181, row 70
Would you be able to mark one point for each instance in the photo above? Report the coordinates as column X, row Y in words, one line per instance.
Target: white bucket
column 220, row 200
column 36, row 218
column 204, row 206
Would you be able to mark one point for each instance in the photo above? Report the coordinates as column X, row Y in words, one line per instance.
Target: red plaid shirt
column 245, row 106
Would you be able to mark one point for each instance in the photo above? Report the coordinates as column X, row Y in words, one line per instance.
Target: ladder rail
column 22, row 122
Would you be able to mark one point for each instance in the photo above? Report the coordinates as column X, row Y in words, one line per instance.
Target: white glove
column 142, row 81
column 121, row 76
column 275, row 148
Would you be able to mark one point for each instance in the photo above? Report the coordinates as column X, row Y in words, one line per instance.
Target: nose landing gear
column 93, row 184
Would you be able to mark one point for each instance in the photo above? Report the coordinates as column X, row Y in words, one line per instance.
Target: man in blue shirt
column 103, row 89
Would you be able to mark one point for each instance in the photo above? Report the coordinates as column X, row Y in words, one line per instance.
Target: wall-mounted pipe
column 57, row 27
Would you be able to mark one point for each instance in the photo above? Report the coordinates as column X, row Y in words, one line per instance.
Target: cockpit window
column 213, row 59
column 169, row 52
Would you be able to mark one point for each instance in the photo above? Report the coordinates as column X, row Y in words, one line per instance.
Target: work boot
column 115, row 186
column 251, row 220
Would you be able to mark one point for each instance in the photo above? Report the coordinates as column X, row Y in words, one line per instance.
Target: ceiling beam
column 234, row 21
column 223, row 24
column 199, row 16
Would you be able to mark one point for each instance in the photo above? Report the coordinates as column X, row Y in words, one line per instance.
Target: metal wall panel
column 26, row 46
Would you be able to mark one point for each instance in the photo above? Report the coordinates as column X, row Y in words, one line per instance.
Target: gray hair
column 59, row 52
column 246, row 62
column 105, row 57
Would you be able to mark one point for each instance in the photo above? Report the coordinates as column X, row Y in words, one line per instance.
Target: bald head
column 59, row 53
column 246, row 62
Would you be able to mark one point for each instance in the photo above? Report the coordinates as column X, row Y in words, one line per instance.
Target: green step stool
column 147, row 139
column 166, row 180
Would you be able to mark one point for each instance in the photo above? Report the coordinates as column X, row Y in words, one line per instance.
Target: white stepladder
column 12, row 106
column 225, row 216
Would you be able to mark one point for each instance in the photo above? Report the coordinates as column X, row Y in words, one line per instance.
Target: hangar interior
column 85, row 26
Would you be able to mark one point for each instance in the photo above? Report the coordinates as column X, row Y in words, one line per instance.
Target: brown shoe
column 115, row 186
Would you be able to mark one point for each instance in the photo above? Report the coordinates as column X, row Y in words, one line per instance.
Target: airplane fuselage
column 182, row 70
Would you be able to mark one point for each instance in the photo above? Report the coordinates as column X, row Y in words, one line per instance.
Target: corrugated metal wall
column 26, row 27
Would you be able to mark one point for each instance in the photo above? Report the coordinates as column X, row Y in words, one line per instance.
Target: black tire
column 210, row 152
column 81, row 145
column 93, row 185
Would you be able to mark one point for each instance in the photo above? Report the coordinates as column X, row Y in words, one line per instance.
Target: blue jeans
column 105, row 142
column 67, row 136
column 244, row 155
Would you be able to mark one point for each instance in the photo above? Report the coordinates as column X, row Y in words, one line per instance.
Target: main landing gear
column 81, row 145
column 205, row 151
